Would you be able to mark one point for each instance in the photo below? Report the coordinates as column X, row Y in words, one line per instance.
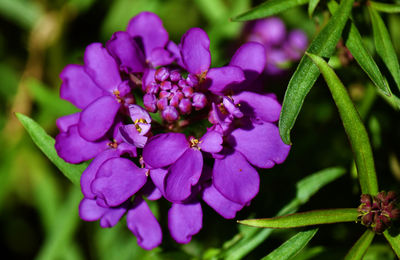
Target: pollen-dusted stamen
column 117, row 95
column 194, row 143
column 222, row 108
column 140, row 120
column 113, row 144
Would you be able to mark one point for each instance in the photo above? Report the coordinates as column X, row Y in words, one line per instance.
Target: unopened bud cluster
column 379, row 212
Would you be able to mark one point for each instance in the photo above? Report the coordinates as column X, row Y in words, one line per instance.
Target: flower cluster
column 144, row 104
column 281, row 47
column 378, row 212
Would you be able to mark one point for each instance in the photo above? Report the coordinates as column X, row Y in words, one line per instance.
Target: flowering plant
column 170, row 130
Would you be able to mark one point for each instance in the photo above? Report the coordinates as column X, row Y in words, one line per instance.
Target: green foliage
column 307, row 73
column 393, row 237
column 310, row 218
column 268, row 8
column 384, row 46
column 46, row 144
column 292, row 246
column 353, row 126
column 361, row 246
column 249, row 238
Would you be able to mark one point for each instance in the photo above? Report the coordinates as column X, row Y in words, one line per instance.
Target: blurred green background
column 38, row 205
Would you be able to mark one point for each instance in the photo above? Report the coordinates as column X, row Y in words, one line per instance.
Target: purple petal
column 211, row 142
column 130, row 135
column 271, row 30
column 182, row 175
column 265, row 107
column 164, row 149
column 235, row 179
column 148, row 78
column 89, row 173
column 101, row 67
column 184, row 221
column 160, row 57
column 77, row 87
column 144, row 225
column 219, row 203
column 97, row 118
column 196, row 51
column 222, row 79
column 117, row 180
column 63, row 123
column 158, row 177
column 74, row 149
column 127, row 53
column 149, row 29
column 176, row 52
column 261, row 145
column 250, row 57
column 112, row 216
column 89, row 210
column 151, row 191
column 138, row 113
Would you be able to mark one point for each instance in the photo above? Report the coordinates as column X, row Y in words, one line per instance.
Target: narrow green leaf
column 360, row 53
column 365, row 60
column 383, row 7
column 309, row 218
column 307, row 73
column 306, row 188
column 384, row 46
column 360, row 247
column 392, row 235
column 268, row 8
column 311, row 6
column 353, row 126
column 292, row 246
column 46, row 144
column 392, row 100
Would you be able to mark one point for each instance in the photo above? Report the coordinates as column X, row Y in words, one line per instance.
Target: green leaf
column 353, row 126
column 306, row 188
column 361, row 246
column 311, row 6
column 46, row 144
column 354, row 43
column 365, row 60
column 392, row 235
column 309, row 218
column 268, row 8
column 307, row 73
column 383, row 7
column 292, row 246
column 384, row 46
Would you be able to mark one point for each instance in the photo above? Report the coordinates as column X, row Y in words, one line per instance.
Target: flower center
column 137, row 126
column 194, row 143
column 173, row 94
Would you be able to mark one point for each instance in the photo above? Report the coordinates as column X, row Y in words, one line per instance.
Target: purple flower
column 173, row 94
column 186, row 164
column 182, row 158
column 281, row 48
